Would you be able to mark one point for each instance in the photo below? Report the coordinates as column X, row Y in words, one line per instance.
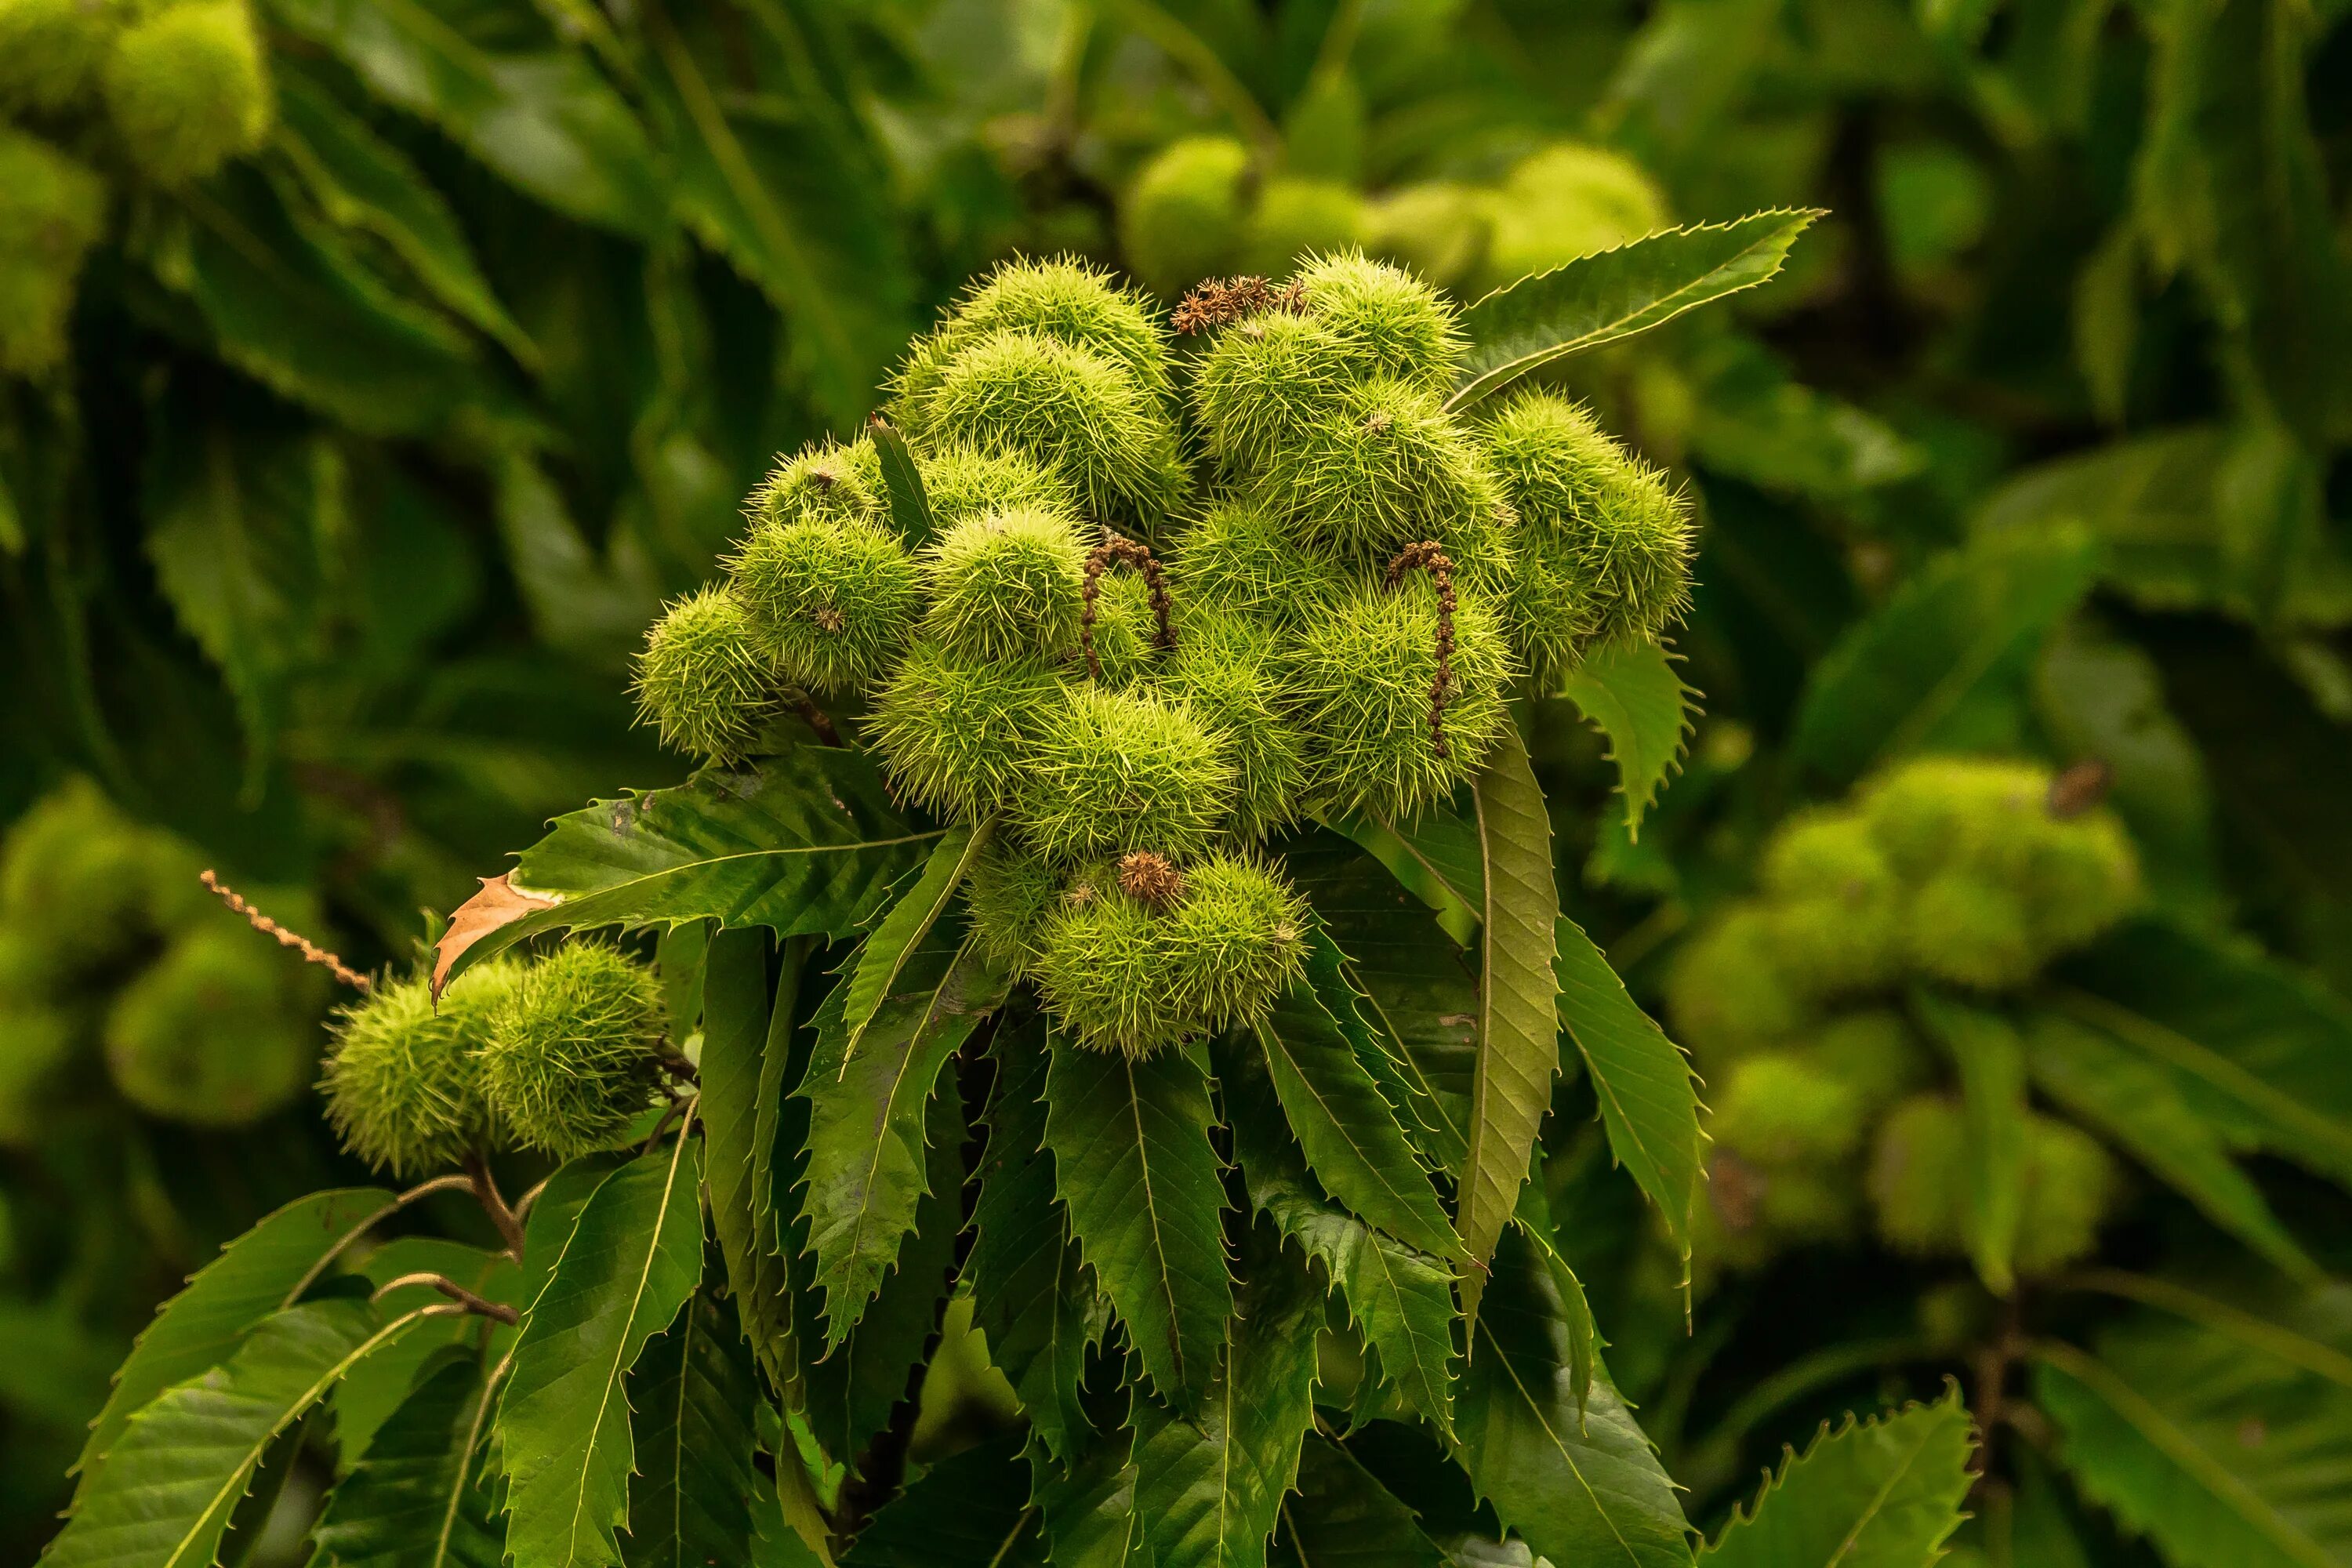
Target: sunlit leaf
column 1134, row 1166
column 563, row 1423
column 1518, row 1021
column 1632, row 694
column 1648, row 1095
column 197, row 1330
column 1615, row 294
column 805, row 843
column 183, row 1462
column 1870, row 1494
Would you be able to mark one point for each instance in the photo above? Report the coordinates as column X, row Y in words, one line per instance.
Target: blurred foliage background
column 338, row 480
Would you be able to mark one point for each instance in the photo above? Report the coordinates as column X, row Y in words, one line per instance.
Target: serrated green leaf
column 1990, row 1057
column 885, row 950
column 1630, row 692
column 261, row 1271
column 792, row 200
column 1347, row 1130
column 736, row 1089
column 968, row 1511
column 1943, row 663
column 1031, row 1294
column 1648, row 1093
column 1419, row 990
column 1518, row 992
column 1340, row 1517
column 768, row 1318
column 2258, row 1049
column 2230, row 181
column 1400, row 1301
column 1208, row 1488
column 1135, row 1169
column 2229, row 1457
column 867, row 1169
column 290, row 306
column 424, row 1497
column 362, row 182
column 1872, row 1494
column 910, row 509
column 234, row 528
column 183, row 1464
column 555, row 1213
column 563, row 1424
column 1615, row 294
column 546, row 122
column 2143, row 1108
column 1088, row 1508
column 806, row 843
column 850, row 1392
column 692, row 1397
column 372, row 1390
column 1578, row 1487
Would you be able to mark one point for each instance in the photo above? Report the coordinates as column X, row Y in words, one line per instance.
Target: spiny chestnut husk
column 1122, row 976
column 833, row 599
column 214, row 1033
column 954, row 733
column 1108, row 771
column 1183, row 217
column 403, row 1081
column 187, row 88
column 706, row 677
column 574, row 1051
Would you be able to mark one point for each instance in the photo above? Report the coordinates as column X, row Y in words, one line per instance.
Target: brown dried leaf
column 497, row 904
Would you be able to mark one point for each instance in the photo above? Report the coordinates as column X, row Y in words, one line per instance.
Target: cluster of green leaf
column 721, row 1337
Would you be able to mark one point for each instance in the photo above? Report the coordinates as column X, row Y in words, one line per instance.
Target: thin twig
column 310, row 950
column 477, row 1305
column 685, row 1105
column 485, row 1192
column 1139, row 556
column 1427, row 555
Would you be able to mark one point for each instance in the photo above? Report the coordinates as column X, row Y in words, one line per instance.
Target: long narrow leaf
column 1032, row 1292
column 866, row 1168
column 423, row 1497
column 1870, row 1494
column 200, row 1328
column 1615, row 294
column 885, row 953
column 1135, row 1168
column 1518, row 1022
column 1578, row 1485
column 563, row 1427
column 1648, row 1094
column 1347, row 1130
column 183, row 1465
